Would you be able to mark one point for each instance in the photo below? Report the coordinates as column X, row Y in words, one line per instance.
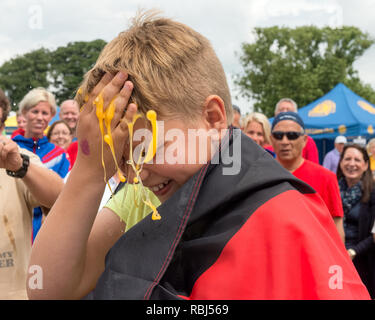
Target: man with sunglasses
column 288, row 140
column 310, row 151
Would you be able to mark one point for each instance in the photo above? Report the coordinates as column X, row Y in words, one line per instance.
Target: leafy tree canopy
column 60, row 71
column 302, row 63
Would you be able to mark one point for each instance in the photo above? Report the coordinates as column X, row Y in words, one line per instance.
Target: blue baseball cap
column 236, row 108
column 289, row 115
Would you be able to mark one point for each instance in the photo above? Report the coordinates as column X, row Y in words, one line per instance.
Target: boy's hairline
column 102, row 67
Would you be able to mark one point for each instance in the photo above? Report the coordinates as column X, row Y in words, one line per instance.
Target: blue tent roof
column 340, row 111
column 56, row 117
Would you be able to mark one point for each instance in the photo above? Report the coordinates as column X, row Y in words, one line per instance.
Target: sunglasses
column 291, row 135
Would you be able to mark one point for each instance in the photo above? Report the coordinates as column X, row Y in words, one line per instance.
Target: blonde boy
column 258, row 234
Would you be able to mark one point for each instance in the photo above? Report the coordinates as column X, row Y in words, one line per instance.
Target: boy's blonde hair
column 173, row 68
column 34, row 96
column 263, row 120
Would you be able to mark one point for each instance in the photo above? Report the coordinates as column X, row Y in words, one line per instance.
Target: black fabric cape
column 258, row 234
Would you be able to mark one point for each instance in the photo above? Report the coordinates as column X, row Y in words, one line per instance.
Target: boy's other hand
column 89, row 136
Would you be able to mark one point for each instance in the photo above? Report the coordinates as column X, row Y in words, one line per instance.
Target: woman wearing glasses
column 358, row 200
column 60, row 134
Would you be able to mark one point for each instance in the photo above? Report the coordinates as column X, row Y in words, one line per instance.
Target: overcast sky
column 29, row 24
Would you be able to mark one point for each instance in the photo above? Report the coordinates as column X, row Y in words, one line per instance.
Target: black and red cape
column 258, row 234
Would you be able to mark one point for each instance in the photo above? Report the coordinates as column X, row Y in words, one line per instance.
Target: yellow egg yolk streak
column 98, row 102
column 105, row 118
column 137, row 167
column 108, row 116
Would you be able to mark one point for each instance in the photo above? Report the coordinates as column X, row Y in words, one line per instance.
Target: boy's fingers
column 113, row 88
column 122, row 101
column 109, row 86
column 101, row 84
column 89, row 105
column 131, row 111
column 121, row 132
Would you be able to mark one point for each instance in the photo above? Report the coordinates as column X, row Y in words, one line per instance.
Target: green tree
column 60, row 71
column 22, row 73
column 70, row 63
column 302, row 63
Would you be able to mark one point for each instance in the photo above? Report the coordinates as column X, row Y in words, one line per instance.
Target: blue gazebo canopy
column 339, row 112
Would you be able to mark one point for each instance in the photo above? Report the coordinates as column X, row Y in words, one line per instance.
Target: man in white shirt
column 332, row 158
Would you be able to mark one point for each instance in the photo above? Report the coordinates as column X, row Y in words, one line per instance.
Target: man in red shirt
column 288, row 139
column 310, row 151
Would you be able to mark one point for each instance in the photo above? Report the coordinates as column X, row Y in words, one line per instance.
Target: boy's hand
column 89, row 155
column 10, row 157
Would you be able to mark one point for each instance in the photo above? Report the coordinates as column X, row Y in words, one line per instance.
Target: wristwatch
column 21, row 172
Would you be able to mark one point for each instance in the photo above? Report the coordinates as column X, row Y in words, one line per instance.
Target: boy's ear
column 214, row 113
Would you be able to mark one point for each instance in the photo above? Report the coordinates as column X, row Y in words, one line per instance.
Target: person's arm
column 310, row 151
column 327, row 162
column 367, row 243
column 332, row 198
column 340, row 227
column 362, row 247
column 71, row 246
column 43, row 184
